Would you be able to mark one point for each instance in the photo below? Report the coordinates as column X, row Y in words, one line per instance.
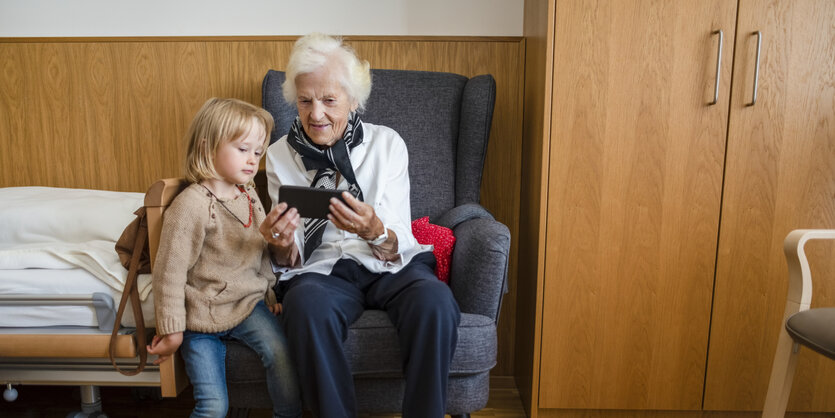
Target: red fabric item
column 442, row 238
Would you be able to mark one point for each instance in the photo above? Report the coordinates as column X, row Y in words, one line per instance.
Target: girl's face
column 236, row 162
column 323, row 106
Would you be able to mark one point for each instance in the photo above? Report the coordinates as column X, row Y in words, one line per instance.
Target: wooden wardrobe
column 669, row 147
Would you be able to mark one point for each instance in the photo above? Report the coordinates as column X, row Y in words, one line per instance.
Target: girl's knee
column 277, row 356
column 211, row 408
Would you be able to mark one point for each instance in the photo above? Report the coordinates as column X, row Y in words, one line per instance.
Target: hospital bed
column 60, row 284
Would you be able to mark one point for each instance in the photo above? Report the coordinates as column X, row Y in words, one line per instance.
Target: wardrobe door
column 780, row 176
column 636, row 159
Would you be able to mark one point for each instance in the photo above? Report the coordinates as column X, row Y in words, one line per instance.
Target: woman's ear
column 354, row 106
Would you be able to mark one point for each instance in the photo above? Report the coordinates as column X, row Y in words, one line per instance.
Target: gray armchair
column 445, row 120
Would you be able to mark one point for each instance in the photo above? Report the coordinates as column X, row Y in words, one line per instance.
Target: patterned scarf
column 327, row 162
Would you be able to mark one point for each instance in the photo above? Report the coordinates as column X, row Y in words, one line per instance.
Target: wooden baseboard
column 587, row 413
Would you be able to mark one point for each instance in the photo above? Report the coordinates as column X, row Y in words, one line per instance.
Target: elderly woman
column 363, row 256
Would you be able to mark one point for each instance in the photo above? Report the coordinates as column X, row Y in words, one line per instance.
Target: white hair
column 317, row 50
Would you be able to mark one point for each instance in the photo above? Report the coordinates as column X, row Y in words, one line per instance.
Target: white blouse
column 381, row 167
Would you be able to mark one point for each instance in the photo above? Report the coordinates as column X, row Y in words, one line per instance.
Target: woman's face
column 323, row 106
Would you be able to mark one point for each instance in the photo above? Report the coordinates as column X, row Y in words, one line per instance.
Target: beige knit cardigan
column 210, row 270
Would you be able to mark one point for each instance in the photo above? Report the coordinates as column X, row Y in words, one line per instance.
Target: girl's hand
column 164, row 346
column 276, row 309
column 355, row 217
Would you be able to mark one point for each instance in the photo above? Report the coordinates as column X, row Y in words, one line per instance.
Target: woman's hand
column 165, row 345
column 278, row 229
column 359, row 218
column 356, row 217
column 276, row 309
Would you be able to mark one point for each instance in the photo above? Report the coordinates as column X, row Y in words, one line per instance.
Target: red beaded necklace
column 249, row 199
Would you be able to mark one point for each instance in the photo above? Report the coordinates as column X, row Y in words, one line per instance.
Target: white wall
column 58, row 18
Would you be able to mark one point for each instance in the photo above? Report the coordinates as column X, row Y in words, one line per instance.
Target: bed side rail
column 102, row 302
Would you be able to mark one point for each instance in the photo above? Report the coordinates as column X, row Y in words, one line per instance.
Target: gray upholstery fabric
column 459, row 214
column 399, row 100
column 373, row 351
column 466, row 394
column 272, row 99
column 476, row 117
column 814, row 328
column 445, row 121
column 380, row 395
column 481, row 245
column 478, row 276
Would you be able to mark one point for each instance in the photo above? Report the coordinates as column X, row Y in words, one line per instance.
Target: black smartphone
column 311, row 202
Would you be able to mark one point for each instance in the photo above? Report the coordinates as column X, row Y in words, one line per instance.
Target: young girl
column 212, row 278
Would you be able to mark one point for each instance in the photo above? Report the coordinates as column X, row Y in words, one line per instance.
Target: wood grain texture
column 539, row 34
column 110, row 113
column 633, row 203
column 172, row 376
column 779, row 177
column 67, row 345
column 577, row 413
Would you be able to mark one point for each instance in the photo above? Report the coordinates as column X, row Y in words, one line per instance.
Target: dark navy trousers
column 318, row 309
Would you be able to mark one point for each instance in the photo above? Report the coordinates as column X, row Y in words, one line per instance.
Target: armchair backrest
column 444, row 119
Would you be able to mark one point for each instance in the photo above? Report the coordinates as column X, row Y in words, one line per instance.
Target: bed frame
column 78, row 356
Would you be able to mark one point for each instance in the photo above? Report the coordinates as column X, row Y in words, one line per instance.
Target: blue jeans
column 205, row 361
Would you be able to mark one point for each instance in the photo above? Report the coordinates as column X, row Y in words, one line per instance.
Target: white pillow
column 30, row 215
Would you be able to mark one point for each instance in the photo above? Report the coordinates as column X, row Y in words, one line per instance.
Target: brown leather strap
column 131, row 292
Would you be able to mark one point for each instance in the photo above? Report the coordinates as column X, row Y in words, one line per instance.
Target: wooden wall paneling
column 12, row 118
column 779, row 177
column 539, row 46
column 101, row 94
column 110, row 113
column 55, row 126
column 154, row 107
column 633, row 204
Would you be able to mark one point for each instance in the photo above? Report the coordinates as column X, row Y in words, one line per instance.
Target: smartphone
column 311, row 202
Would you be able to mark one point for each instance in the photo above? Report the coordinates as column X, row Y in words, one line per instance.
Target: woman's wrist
column 374, row 232
column 285, row 257
column 387, row 250
column 378, row 238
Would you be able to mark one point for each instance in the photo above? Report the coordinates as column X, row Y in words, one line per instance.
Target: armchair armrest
column 478, row 276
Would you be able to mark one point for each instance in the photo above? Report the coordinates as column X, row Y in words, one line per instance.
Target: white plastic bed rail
column 102, row 302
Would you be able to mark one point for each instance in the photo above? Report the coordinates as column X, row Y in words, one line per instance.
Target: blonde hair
column 219, row 121
column 317, row 50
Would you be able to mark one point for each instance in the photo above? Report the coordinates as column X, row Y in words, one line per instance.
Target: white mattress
column 61, row 241
column 61, row 282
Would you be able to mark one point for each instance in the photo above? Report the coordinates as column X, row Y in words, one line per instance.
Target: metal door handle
column 718, row 66
column 757, row 67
